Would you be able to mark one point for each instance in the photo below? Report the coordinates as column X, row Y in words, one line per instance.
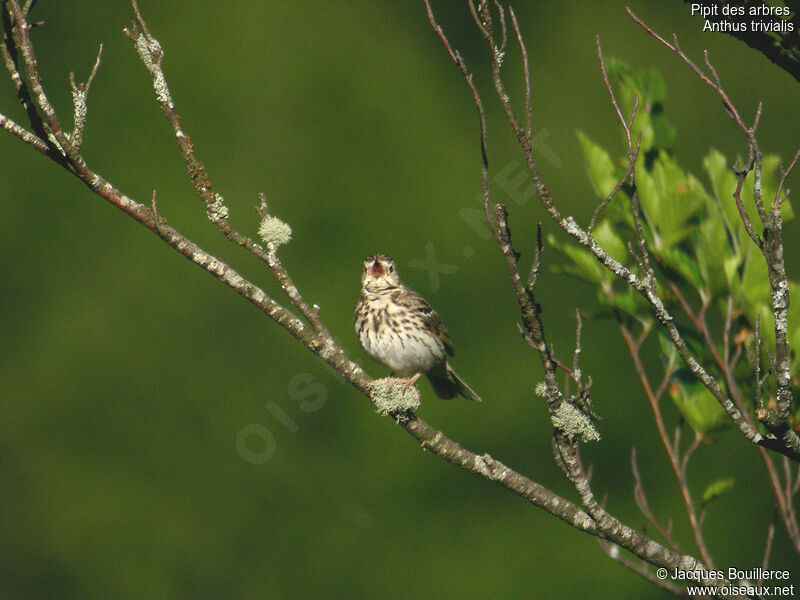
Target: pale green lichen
column 391, row 396
column 274, row 231
column 217, row 211
column 540, row 389
column 574, row 423
column 151, row 53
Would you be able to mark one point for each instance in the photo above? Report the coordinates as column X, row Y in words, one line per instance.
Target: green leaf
column 602, row 173
column 612, row 243
column 625, row 301
column 653, row 87
column 680, row 262
column 679, row 198
column 582, row 263
column 753, row 295
column 712, row 248
column 643, row 125
column 770, row 174
column 668, row 349
column 700, row 409
column 664, row 133
column 723, row 185
column 649, row 87
column 717, row 488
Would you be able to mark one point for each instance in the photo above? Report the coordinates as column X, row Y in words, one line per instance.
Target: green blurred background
column 127, row 373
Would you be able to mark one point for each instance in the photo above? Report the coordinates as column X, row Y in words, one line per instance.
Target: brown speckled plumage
column 398, row 328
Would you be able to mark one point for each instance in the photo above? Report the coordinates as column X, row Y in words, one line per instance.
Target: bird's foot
column 408, row 382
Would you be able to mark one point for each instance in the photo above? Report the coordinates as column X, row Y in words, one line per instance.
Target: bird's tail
column 446, row 383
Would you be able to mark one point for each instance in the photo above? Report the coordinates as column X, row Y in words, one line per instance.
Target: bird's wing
column 431, row 319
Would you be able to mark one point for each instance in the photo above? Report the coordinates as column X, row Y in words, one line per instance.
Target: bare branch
column 779, row 199
column 767, row 549
column 537, row 258
column 316, row 339
column 526, row 72
column 783, row 440
column 80, row 93
column 10, row 54
column 678, row 467
column 640, row 568
column 29, row 4
column 641, row 501
column 748, row 225
column 26, row 136
column 151, row 53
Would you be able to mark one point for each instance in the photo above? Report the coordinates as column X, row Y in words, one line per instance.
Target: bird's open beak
column 376, row 269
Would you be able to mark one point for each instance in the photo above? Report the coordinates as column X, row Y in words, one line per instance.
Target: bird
column 398, row 328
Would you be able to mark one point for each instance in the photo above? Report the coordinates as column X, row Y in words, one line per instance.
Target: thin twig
column 564, row 448
column 779, row 198
column 640, row 568
column 526, row 70
column 318, row 342
column 787, row 442
column 537, row 259
column 149, row 50
column 772, row 248
column 767, row 549
column 641, row 501
column 80, row 94
column 678, row 468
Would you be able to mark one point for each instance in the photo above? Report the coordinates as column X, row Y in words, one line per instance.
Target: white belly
column 401, row 347
column 404, row 355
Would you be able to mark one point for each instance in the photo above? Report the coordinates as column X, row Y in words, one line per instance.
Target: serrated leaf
column 643, row 125
column 723, row 185
column 680, row 197
column 626, row 82
column 717, row 488
column 753, row 294
column 770, row 174
column 619, row 69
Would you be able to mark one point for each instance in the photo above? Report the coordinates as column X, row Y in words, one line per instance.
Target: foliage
column 696, row 241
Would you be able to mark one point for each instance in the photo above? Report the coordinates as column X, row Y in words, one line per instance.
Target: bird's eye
column 391, row 268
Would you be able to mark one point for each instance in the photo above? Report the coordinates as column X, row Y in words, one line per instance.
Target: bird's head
column 379, row 271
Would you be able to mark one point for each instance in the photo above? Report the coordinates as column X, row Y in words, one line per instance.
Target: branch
column 565, row 447
column 779, row 47
column 640, row 569
column 678, row 466
column 80, row 93
column 643, row 285
column 785, row 441
column 640, row 497
column 314, row 336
